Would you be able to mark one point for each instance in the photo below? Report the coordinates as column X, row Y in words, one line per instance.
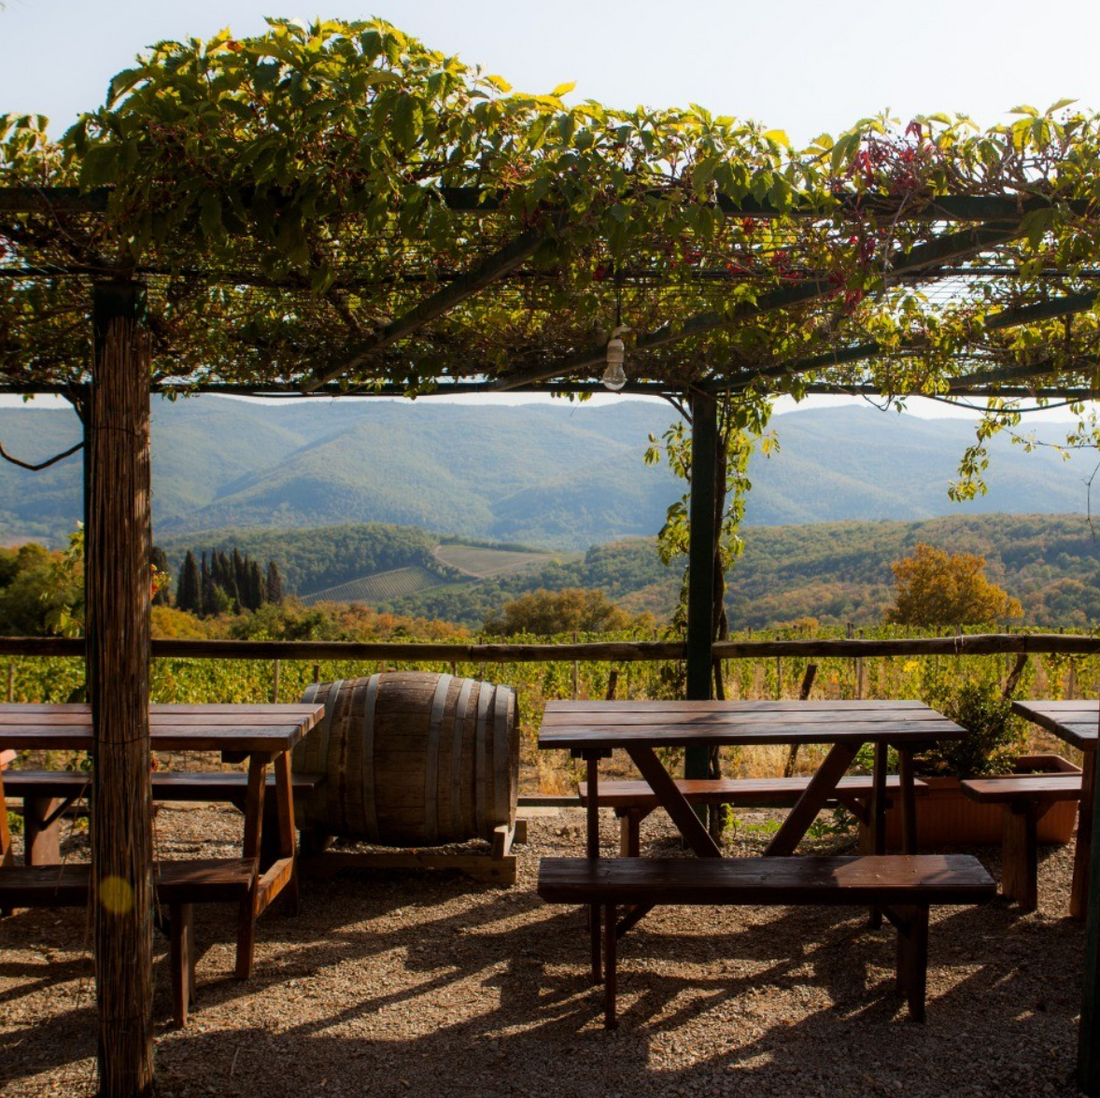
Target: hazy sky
column 802, row 66
column 806, row 66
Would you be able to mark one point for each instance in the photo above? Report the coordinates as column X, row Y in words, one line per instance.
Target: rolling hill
column 551, row 475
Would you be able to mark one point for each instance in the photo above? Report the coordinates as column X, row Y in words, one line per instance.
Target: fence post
column 576, row 672
column 612, row 683
column 275, row 683
column 803, row 695
column 11, row 680
column 857, row 662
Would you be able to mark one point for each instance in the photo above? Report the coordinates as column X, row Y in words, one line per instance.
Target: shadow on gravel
column 753, row 1002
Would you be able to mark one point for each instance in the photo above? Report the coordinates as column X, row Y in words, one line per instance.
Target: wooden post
column 1088, row 1040
column 703, row 539
column 275, row 683
column 11, row 681
column 117, row 647
column 576, row 673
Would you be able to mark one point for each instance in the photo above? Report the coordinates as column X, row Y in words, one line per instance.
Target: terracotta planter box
column 945, row 817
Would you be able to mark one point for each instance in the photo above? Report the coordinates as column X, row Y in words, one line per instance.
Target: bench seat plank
column 192, row 880
column 1024, row 789
column 43, row 885
column 168, row 785
column 746, row 791
column 874, row 879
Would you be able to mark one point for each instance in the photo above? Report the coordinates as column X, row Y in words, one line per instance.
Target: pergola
column 339, row 210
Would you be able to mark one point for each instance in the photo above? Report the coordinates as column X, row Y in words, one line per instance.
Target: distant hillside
column 314, row 559
column 835, row 572
column 552, row 475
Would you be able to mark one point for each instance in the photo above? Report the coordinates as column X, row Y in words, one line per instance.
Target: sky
column 804, row 66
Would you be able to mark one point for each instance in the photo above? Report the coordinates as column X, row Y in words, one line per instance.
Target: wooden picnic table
column 262, row 734
column 593, row 729
column 1076, row 723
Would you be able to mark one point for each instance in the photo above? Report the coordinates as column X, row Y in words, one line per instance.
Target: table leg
column 284, row 798
column 1079, row 890
column 6, row 855
column 674, row 802
column 822, row 786
column 592, row 849
column 42, row 830
column 253, row 832
column 908, row 798
column 878, row 820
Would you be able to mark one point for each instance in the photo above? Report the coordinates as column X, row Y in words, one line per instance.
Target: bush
column 994, row 736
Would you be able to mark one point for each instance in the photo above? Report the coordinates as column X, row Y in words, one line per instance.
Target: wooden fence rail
column 978, row 644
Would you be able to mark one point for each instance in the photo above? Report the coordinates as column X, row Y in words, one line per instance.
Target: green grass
column 378, row 587
column 484, row 563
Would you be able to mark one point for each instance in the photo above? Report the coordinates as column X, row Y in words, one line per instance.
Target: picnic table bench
column 633, row 801
column 1026, row 799
column 261, row 734
column 48, row 794
column 179, row 884
column 592, row 730
column 903, row 886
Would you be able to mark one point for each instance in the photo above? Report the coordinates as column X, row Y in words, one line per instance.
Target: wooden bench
column 904, row 886
column 179, row 884
column 634, row 800
column 1026, row 799
column 47, row 794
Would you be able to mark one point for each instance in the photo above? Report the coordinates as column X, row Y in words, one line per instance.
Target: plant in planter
column 994, row 745
column 994, row 740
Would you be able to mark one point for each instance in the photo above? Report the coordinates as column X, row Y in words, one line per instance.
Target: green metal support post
column 704, row 534
column 1088, row 1040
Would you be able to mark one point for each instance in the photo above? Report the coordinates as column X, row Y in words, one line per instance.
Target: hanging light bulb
column 614, row 376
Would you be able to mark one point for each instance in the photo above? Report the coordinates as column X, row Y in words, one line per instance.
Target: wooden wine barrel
column 412, row 758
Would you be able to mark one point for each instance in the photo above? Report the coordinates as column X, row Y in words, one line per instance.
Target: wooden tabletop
column 603, row 725
column 215, row 727
column 1073, row 721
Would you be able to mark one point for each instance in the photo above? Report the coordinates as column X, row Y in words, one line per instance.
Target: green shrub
column 994, row 736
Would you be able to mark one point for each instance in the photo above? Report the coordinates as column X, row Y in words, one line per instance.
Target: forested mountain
column 555, row 475
column 834, row 572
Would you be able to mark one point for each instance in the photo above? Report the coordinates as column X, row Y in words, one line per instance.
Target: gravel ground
column 395, row 984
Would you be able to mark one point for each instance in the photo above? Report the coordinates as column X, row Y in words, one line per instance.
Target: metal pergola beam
column 491, row 269
column 922, row 256
column 476, row 200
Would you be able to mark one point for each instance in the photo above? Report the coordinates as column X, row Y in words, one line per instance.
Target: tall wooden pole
column 117, row 592
column 1088, row 1038
column 703, row 534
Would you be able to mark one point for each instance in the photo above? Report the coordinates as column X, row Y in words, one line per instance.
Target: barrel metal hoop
column 431, row 760
column 481, row 769
column 501, row 751
column 457, row 736
column 370, row 802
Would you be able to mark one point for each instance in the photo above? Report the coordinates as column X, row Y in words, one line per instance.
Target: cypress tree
column 207, row 599
column 240, row 575
column 255, row 587
column 274, row 583
column 189, row 591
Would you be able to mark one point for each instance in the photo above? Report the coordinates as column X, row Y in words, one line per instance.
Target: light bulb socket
column 614, row 377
